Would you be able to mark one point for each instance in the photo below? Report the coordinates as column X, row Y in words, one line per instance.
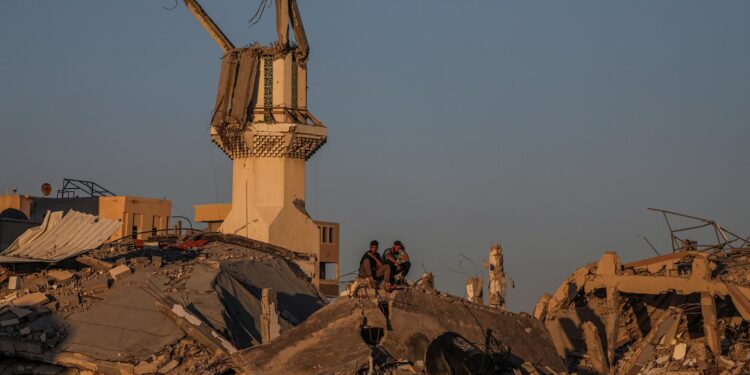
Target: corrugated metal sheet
column 60, row 237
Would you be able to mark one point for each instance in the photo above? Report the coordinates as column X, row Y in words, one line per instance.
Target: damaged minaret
column 261, row 122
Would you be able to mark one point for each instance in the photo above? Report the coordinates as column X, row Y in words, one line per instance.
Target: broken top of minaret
column 260, row 120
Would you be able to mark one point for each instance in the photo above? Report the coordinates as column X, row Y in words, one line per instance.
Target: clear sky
column 547, row 126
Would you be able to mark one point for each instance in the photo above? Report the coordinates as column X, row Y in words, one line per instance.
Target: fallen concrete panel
column 328, row 342
column 125, row 326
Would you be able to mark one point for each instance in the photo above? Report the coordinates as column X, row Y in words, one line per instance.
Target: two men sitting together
column 389, row 269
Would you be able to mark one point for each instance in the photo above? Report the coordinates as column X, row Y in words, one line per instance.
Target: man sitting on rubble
column 398, row 261
column 371, row 266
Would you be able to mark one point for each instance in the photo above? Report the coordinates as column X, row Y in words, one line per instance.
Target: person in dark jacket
column 398, row 262
column 371, row 266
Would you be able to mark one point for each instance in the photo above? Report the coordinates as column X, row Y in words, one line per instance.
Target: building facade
column 141, row 217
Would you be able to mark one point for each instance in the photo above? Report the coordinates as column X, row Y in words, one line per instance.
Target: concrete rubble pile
column 179, row 308
column 682, row 313
column 213, row 304
column 411, row 330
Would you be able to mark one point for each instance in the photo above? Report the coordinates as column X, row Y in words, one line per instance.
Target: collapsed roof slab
column 328, row 342
column 335, row 339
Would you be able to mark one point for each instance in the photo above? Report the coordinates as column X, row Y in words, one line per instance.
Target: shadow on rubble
column 239, row 286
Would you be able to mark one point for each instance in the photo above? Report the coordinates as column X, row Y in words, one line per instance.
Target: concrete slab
column 30, row 300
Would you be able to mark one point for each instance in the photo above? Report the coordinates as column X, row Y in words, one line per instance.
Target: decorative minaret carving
column 262, row 123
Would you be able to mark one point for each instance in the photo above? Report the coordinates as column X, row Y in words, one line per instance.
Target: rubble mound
column 682, row 313
column 391, row 333
column 171, row 308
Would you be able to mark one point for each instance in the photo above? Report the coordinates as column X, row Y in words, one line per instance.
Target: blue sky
column 547, row 126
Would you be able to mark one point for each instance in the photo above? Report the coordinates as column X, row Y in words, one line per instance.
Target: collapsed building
column 683, row 313
column 169, row 307
column 214, row 303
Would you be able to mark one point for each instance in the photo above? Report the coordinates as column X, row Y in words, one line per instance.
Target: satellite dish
column 46, row 189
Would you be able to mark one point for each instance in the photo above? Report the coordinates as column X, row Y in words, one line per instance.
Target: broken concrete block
column 14, row 283
column 94, row 263
column 10, row 322
column 95, row 285
column 20, row 313
column 171, row 365
column 120, row 272
column 31, row 299
column 36, row 284
column 62, row 277
column 144, row 367
column 31, row 347
column 679, row 351
column 6, row 346
column 6, row 300
column 156, row 261
column 25, row 331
